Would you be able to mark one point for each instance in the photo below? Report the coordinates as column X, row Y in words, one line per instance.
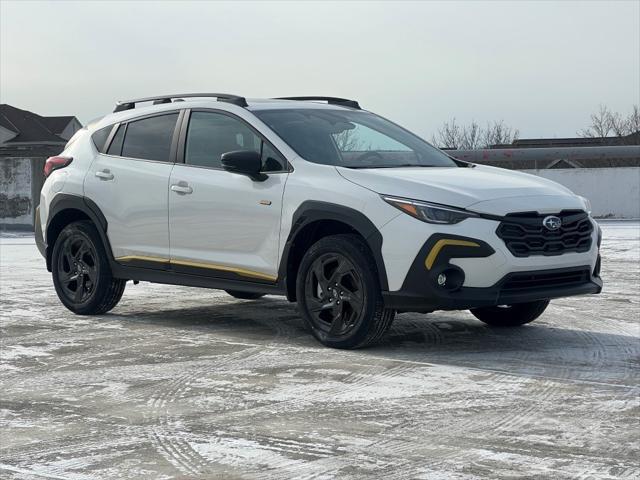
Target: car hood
column 464, row 187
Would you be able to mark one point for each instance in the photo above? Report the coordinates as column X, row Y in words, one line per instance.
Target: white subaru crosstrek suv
column 341, row 210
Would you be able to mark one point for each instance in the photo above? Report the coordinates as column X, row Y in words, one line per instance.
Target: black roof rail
column 221, row 97
column 343, row 102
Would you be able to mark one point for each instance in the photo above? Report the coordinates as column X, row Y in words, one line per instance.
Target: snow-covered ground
column 190, row 383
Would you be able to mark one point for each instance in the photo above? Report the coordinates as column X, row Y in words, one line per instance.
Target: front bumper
column 535, row 285
column 482, row 272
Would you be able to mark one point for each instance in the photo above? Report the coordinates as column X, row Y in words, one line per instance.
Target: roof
column 31, row 127
column 124, row 105
column 253, row 104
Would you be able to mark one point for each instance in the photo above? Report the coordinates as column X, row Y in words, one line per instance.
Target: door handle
column 104, row 174
column 182, row 188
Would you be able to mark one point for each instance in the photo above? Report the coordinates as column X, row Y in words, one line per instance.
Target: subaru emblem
column 552, row 222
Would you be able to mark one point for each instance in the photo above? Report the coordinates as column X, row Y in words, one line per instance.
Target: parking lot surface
column 190, row 383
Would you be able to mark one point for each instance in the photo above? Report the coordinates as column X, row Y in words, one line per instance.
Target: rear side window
column 150, row 138
column 100, row 138
column 116, row 144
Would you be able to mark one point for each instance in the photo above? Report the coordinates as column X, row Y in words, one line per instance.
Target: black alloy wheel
column 338, row 293
column 334, row 294
column 77, row 268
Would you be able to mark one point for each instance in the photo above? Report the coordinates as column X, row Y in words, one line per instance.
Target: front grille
column 518, row 282
column 525, row 235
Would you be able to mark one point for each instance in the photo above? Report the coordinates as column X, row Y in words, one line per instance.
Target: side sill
column 170, row 277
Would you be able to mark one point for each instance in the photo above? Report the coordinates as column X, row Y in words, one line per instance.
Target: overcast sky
column 543, row 67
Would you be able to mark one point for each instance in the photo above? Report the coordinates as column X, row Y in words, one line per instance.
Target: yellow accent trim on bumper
column 240, row 271
column 440, row 244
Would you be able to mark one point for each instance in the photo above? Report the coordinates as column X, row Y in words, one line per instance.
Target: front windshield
column 351, row 138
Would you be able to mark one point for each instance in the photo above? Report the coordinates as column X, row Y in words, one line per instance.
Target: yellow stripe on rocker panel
column 223, row 268
column 440, row 244
column 131, row 258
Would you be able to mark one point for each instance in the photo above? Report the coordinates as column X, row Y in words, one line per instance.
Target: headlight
column 429, row 212
column 587, row 204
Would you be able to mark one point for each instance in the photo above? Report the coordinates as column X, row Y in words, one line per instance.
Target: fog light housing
column 450, row 279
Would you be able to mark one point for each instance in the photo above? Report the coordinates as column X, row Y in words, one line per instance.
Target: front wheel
column 510, row 315
column 339, row 293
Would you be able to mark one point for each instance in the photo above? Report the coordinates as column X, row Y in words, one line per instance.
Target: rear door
column 129, row 182
column 225, row 224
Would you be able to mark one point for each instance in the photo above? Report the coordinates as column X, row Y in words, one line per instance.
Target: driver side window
column 211, row 134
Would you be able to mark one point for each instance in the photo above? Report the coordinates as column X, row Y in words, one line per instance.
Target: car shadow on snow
column 453, row 338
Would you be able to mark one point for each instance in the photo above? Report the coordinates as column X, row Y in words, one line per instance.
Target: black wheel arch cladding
column 66, row 202
column 312, row 211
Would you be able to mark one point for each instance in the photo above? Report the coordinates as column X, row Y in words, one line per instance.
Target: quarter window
column 99, row 137
column 150, row 138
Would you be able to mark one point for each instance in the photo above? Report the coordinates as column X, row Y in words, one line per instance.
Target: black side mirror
column 245, row 162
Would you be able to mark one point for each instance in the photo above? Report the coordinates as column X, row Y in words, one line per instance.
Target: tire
column 244, row 295
column 91, row 289
column 510, row 315
column 339, row 293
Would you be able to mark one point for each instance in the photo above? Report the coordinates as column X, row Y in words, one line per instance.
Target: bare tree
column 449, row 135
column 606, row 123
column 633, row 120
column 472, row 136
column 498, row 133
column 601, row 124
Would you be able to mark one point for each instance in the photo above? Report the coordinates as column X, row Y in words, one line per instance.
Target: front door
column 225, row 224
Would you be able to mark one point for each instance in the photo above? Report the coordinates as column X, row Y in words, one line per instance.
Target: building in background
column 26, row 141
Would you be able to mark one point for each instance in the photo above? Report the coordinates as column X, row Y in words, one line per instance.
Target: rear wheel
column 510, row 315
column 339, row 293
column 81, row 273
column 244, row 295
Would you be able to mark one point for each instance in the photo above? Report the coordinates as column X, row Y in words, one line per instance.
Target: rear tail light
column 55, row 163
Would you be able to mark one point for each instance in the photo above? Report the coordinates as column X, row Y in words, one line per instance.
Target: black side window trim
column 182, row 142
column 174, row 140
column 107, row 144
column 112, row 136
